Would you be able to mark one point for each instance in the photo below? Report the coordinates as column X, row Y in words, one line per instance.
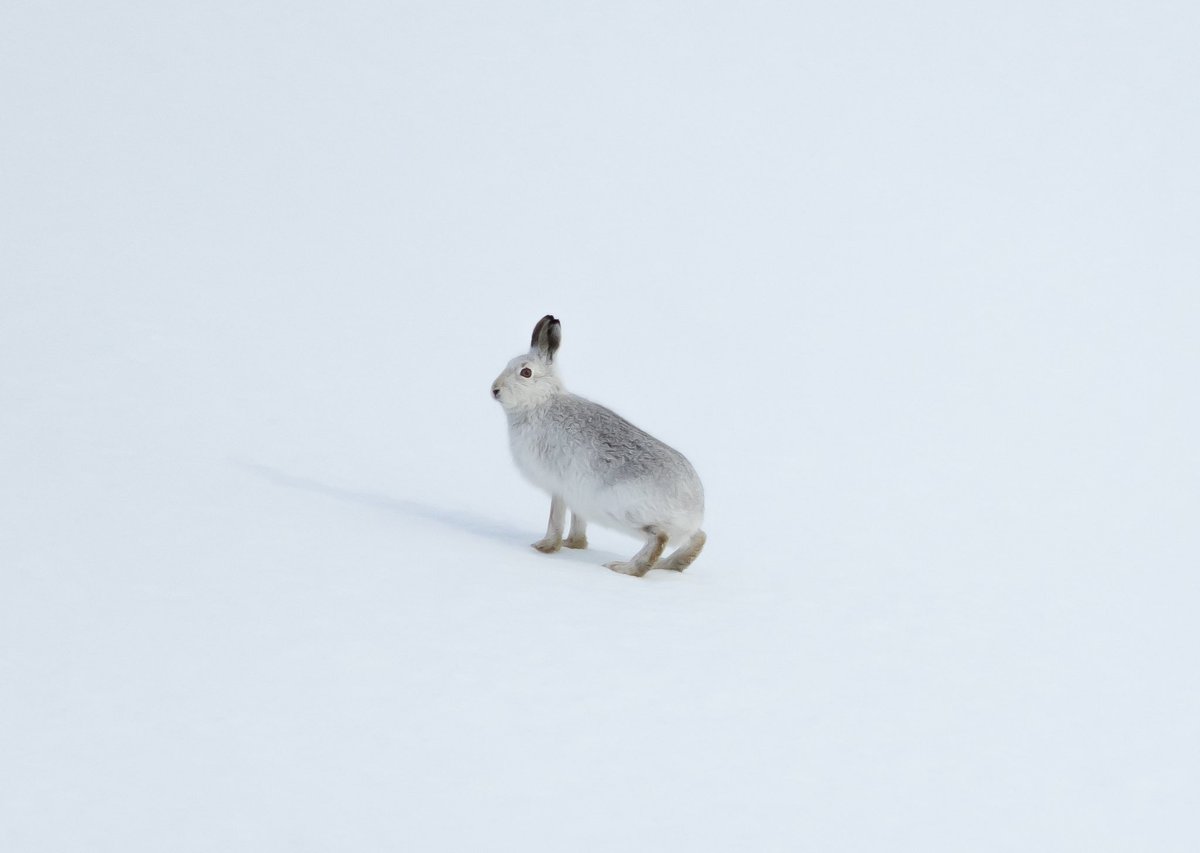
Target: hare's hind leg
column 644, row 560
column 685, row 554
column 554, row 530
column 577, row 538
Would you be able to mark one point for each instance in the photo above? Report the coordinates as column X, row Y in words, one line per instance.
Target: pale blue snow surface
column 914, row 286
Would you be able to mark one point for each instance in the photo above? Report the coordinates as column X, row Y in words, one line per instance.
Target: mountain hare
column 596, row 463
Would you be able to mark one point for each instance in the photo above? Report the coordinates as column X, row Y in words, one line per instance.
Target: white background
column 914, row 285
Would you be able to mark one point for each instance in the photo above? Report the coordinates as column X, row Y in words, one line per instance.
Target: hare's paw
column 627, row 568
column 548, row 546
column 579, row 542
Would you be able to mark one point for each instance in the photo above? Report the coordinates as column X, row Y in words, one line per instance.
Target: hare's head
column 532, row 378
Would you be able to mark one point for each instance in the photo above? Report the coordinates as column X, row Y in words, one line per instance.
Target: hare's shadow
column 466, row 522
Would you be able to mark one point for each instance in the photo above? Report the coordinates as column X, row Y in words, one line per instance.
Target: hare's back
column 612, row 448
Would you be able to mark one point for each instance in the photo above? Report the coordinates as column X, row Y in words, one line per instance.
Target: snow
column 914, row 287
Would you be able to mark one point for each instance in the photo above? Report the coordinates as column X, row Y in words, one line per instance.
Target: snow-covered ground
column 914, row 286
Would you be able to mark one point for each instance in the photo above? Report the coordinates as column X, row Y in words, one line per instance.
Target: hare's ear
column 547, row 335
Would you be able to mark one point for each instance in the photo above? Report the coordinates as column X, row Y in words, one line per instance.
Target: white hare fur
column 597, row 464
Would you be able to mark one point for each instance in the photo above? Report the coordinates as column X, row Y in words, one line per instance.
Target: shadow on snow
column 466, row 522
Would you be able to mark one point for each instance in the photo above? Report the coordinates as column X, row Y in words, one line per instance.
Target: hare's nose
column 495, row 392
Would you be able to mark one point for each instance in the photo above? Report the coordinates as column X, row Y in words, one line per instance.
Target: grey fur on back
column 608, row 445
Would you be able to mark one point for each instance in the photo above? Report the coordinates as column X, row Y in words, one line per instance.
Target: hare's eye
column 526, row 372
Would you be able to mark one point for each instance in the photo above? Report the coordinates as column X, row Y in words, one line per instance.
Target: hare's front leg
column 644, row 560
column 554, row 530
column 577, row 538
